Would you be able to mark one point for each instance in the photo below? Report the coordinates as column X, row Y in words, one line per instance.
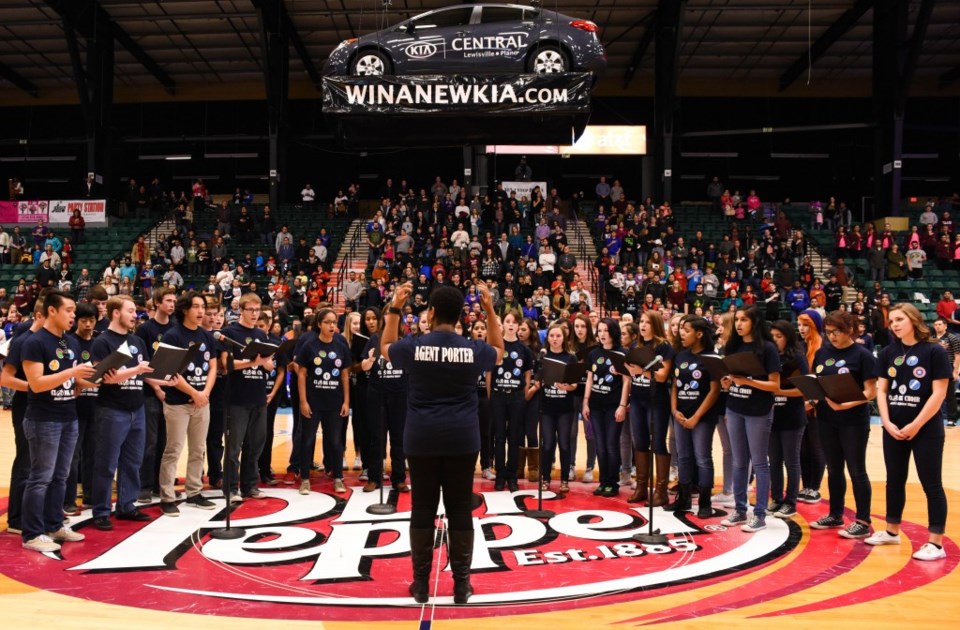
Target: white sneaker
column 41, row 543
column 235, row 497
column 882, row 537
column 625, row 479
column 724, row 500
column 588, row 476
column 488, row 474
column 65, row 534
column 338, row 486
column 573, row 473
column 929, row 551
column 305, row 487
column 357, row 464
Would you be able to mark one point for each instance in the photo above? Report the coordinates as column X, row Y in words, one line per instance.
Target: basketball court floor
column 322, row 560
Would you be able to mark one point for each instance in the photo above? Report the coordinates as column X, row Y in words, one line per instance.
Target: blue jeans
column 606, row 432
column 695, row 453
column 51, row 452
column 120, row 439
column 555, row 430
column 649, row 414
column 750, row 440
column 785, row 450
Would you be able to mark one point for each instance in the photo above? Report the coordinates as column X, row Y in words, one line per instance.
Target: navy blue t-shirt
column 89, row 395
column 911, row 371
column 14, row 354
column 325, row 363
column 788, row 411
column 606, row 389
column 855, row 360
column 443, row 369
column 693, row 385
column 508, row 377
column 128, row 395
column 750, row 401
column 204, row 363
column 152, row 333
column 384, row 376
column 280, row 361
column 56, row 354
column 554, row 399
column 641, row 388
column 247, row 386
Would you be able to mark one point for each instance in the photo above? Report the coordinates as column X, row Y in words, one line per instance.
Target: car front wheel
column 547, row 60
column 370, row 63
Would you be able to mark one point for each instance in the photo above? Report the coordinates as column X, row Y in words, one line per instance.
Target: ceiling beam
column 89, row 18
column 302, row 52
column 645, row 40
column 836, row 30
column 14, row 77
column 915, row 45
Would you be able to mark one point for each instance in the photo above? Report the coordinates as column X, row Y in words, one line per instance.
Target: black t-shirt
column 443, row 369
column 88, row 395
column 280, row 360
column 247, row 386
column 56, row 354
column 693, row 385
column 606, row 389
column 325, row 362
column 554, row 399
column 788, row 411
column 855, row 360
column 750, row 401
column 128, row 395
column 152, row 333
column 641, row 387
column 204, row 363
column 910, row 372
column 384, row 376
column 14, row 358
column 508, row 377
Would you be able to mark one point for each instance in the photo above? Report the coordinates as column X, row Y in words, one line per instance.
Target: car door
column 504, row 35
column 427, row 47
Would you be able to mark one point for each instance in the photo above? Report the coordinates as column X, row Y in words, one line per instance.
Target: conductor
column 442, row 436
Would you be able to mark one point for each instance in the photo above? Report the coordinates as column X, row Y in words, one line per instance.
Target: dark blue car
column 474, row 39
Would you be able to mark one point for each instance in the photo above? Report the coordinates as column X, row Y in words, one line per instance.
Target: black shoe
column 611, row 491
column 133, row 515
column 513, row 485
column 199, row 501
column 599, row 491
column 169, row 509
column 499, row 485
column 102, row 523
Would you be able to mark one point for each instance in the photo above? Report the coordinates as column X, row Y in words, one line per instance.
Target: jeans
column 507, row 411
column 727, row 455
column 695, row 452
column 51, row 451
column 296, row 440
column 154, row 443
column 334, row 426
column 949, row 406
column 587, row 436
column 20, row 471
column 453, row 474
column 750, row 441
column 387, row 413
column 927, row 449
column 785, row 450
column 847, row 445
column 248, row 432
column 607, row 435
column 812, row 462
column 361, row 421
column 120, row 438
column 555, row 429
column 649, row 414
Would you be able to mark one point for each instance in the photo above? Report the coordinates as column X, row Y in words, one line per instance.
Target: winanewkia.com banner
column 443, row 94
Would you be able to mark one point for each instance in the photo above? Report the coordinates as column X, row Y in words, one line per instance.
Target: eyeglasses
column 252, row 310
column 832, row 332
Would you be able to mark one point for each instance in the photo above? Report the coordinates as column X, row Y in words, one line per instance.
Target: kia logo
column 421, row 50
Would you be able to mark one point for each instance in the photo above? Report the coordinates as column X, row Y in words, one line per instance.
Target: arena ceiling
column 170, row 49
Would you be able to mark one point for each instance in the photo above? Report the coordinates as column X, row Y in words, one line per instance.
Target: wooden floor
column 916, row 596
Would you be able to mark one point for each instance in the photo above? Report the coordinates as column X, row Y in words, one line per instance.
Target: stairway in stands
column 349, row 259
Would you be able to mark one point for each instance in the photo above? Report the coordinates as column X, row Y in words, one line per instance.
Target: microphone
column 657, row 359
column 219, row 336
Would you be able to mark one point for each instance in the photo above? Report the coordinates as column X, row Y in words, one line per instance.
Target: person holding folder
column 750, row 416
column 914, row 373
column 581, row 341
column 605, row 404
column 845, row 427
column 511, row 380
column 650, row 410
column 789, row 422
column 557, row 408
column 693, row 402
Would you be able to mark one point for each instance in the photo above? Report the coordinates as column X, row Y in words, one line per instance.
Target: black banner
column 566, row 93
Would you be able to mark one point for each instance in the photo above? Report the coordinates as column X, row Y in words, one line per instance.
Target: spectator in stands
column 877, row 261
column 896, row 263
column 798, row 298
column 928, row 217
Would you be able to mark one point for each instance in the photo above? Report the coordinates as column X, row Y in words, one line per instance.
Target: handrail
column 350, row 253
column 582, row 255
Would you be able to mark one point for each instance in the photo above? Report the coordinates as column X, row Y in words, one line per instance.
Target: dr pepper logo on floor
column 322, row 557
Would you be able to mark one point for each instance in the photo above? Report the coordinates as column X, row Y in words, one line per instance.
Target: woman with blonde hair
column 812, row 461
column 914, row 373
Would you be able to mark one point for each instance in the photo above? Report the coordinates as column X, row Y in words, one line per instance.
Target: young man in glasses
column 247, row 405
column 51, row 363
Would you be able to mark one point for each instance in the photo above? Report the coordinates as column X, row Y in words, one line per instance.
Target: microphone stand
column 228, row 532
column 383, row 507
column 540, row 512
column 653, row 536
